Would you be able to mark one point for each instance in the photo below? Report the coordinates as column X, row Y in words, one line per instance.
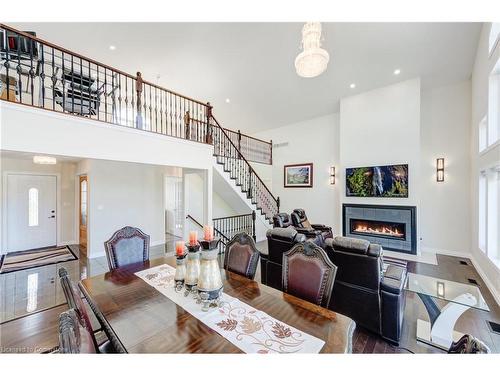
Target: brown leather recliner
column 279, row 241
column 362, row 291
column 300, row 222
column 283, row 220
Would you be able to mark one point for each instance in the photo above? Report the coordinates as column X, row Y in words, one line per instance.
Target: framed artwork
column 298, row 175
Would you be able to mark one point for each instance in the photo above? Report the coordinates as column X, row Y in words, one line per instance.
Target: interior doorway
column 83, row 213
column 174, row 206
column 31, row 211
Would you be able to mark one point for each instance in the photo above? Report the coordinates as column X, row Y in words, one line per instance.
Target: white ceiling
column 253, row 63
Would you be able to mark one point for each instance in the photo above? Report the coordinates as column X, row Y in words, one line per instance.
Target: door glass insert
column 33, row 207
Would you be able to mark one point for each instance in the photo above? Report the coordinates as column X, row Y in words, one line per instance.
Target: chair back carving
column 308, row 273
column 74, row 299
column 126, row 246
column 74, row 337
column 468, row 344
column 242, row 256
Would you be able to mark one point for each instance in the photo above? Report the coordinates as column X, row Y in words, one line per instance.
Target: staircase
column 229, row 156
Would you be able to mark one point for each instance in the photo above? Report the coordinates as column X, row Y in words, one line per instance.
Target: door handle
column 51, row 217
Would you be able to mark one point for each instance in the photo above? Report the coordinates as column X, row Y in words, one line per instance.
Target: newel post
column 138, row 90
column 278, row 203
column 271, row 157
column 253, row 225
column 209, row 138
column 239, row 143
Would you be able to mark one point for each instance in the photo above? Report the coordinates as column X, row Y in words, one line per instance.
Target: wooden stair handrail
column 243, row 158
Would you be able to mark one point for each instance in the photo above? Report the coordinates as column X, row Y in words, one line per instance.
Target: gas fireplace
column 379, row 228
column 392, row 227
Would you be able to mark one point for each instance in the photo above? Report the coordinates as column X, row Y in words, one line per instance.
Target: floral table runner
column 251, row 330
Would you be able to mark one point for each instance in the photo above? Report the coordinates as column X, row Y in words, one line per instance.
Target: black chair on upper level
column 126, row 246
column 283, row 220
column 279, row 241
column 300, row 221
column 375, row 300
column 241, row 255
column 308, row 273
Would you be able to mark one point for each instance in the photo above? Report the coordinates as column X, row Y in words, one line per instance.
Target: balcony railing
column 38, row 73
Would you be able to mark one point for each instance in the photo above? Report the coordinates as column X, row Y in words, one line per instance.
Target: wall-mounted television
column 389, row 181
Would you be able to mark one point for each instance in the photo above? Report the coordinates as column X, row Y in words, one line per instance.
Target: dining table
column 139, row 319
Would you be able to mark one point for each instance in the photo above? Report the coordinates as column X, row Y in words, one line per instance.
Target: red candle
column 179, row 248
column 193, row 237
column 208, row 232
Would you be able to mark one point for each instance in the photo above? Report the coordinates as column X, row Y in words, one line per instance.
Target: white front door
column 31, row 211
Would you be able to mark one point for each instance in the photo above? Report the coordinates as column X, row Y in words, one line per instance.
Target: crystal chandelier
column 313, row 59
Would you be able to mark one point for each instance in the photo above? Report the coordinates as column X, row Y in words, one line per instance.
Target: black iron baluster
column 54, row 81
column 126, row 101
column 72, row 87
column 7, row 64
column 42, row 76
column 31, row 73
column 19, row 69
column 98, row 89
column 105, row 94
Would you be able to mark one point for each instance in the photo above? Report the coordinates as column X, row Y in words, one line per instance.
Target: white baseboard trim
column 157, row 243
column 66, row 243
column 475, row 263
column 489, row 284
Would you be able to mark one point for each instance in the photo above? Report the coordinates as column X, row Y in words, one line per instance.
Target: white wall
column 123, row 194
column 382, row 127
column 66, row 172
column 59, row 134
column 313, row 141
column 482, row 67
column 445, row 224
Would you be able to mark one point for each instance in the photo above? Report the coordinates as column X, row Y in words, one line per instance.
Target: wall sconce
column 332, row 175
column 440, row 170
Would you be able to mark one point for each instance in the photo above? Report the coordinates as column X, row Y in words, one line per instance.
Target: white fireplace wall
column 382, row 127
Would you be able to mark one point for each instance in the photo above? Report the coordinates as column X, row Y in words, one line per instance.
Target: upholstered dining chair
column 126, row 246
column 308, row 273
column 74, row 337
column 76, row 303
column 74, row 297
column 242, row 256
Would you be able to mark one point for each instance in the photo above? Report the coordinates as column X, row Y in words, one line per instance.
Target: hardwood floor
column 39, row 330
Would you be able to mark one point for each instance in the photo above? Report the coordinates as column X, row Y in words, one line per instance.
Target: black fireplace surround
column 392, row 227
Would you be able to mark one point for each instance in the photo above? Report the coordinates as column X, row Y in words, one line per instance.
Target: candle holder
column 180, row 271
column 192, row 269
column 210, row 281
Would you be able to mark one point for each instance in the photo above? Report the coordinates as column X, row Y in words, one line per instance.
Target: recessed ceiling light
column 228, row 100
column 44, row 160
column 352, row 85
column 397, row 71
column 112, row 48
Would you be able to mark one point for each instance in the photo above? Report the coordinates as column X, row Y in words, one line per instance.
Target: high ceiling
column 252, row 64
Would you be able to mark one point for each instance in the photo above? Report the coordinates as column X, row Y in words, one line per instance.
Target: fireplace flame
column 382, row 229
